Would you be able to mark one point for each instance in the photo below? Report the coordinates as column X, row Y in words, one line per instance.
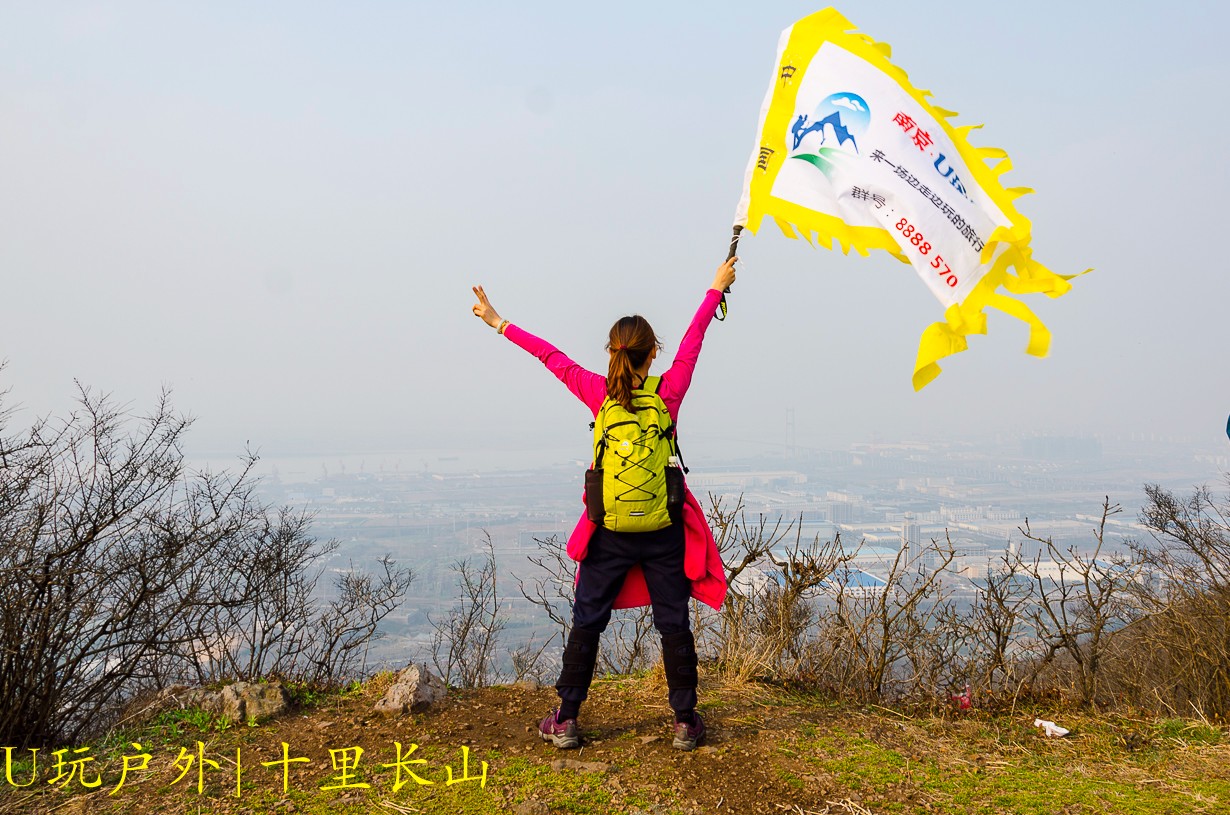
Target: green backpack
column 635, row 483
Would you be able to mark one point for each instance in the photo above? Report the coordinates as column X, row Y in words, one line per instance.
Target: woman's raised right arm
column 678, row 377
column 587, row 386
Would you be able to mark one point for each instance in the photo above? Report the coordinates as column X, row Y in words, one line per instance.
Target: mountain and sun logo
column 830, row 131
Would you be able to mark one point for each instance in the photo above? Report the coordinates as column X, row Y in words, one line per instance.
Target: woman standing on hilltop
column 620, row 569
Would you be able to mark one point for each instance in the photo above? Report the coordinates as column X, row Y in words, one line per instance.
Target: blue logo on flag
column 839, row 120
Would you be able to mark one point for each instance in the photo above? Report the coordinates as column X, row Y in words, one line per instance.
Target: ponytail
column 630, row 342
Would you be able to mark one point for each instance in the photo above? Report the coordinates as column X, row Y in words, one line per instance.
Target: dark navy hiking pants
column 602, row 573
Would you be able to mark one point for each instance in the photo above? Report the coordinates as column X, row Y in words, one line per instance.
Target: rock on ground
column 415, row 688
column 238, row 702
column 251, row 700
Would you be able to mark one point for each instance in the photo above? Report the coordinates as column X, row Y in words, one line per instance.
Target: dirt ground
column 766, row 752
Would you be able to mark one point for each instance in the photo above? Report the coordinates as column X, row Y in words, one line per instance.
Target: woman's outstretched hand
column 725, row 275
column 483, row 309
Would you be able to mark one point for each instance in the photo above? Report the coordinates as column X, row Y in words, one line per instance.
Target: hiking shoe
column 563, row 734
column 687, row 736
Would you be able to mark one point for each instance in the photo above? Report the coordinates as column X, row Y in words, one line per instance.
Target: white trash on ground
column 1051, row 729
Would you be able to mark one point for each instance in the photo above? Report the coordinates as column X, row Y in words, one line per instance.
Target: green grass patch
column 1044, row 781
column 568, row 791
column 1187, row 732
column 790, row 779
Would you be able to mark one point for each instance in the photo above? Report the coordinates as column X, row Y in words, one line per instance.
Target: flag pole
column 734, row 247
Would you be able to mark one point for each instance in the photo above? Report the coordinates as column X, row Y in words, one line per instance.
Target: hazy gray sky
column 278, row 210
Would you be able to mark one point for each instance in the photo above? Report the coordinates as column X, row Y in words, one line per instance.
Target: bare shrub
column 938, row 651
column 1150, row 625
column 1176, row 656
column 528, row 663
column 278, row 627
column 553, row 588
column 263, row 630
column 120, row 572
column 789, row 610
column 729, row 637
column 878, row 643
column 995, row 634
column 765, row 628
column 463, row 646
column 1079, row 599
column 350, row 622
column 809, row 622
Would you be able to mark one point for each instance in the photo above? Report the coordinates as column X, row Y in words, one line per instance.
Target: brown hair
column 630, row 342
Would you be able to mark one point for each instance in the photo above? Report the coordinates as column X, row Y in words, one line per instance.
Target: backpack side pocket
column 595, row 510
column 674, row 493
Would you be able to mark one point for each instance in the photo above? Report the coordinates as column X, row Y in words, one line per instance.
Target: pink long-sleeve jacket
column 702, row 563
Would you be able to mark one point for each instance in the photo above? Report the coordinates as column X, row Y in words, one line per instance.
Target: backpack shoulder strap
column 596, row 427
column 651, row 384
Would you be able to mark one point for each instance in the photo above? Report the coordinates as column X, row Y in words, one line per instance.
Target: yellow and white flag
column 849, row 150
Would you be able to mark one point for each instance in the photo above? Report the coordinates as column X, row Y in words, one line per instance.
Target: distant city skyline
column 879, row 498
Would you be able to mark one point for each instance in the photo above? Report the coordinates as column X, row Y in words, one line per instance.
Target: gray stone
column 264, row 700
column 413, row 689
column 238, row 702
column 228, row 703
column 197, row 697
column 247, row 700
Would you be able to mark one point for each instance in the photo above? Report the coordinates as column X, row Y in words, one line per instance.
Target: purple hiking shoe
column 687, row 736
column 563, row 734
